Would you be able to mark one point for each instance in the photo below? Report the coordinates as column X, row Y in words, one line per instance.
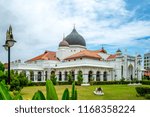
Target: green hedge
column 147, row 96
column 142, row 91
column 145, row 82
column 110, row 82
column 36, row 83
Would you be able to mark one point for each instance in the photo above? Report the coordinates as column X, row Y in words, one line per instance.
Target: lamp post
column 8, row 44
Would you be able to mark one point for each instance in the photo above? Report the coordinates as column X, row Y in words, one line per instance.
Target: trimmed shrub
column 109, row 82
column 63, row 83
column 30, row 83
column 70, row 78
column 147, row 96
column 53, row 79
column 142, row 91
column 146, row 82
column 79, row 78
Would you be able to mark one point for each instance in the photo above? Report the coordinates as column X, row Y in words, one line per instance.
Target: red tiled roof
column 113, row 56
column 47, row 55
column 85, row 53
column 101, row 50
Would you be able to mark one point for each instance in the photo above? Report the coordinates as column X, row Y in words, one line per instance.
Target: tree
column 2, row 68
column 79, row 78
column 3, row 75
column 70, row 78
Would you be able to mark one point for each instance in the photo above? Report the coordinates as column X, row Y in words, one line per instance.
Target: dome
column 139, row 56
column 74, row 38
column 63, row 43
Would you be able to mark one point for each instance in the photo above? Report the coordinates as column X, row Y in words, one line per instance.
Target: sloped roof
column 85, row 53
column 101, row 50
column 112, row 56
column 47, row 55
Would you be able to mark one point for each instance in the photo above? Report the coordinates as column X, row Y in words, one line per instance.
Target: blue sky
column 38, row 25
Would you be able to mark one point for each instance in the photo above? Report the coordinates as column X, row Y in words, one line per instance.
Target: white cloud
column 38, row 25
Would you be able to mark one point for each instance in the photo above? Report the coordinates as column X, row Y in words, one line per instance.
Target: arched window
column 39, row 76
column 52, row 72
column 105, row 76
column 66, row 75
column 130, row 72
column 60, row 76
column 90, row 76
column 97, row 76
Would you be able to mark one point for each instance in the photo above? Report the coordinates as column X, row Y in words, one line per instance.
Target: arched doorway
column 60, row 76
column 105, row 76
column 39, row 76
column 90, row 76
column 97, row 76
column 130, row 72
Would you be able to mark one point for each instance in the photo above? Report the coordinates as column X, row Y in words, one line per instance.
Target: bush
column 147, row 96
column 62, row 83
column 109, row 82
column 30, row 83
column 50, row 93
column 142, row 91
column 17, row 81
column 2, row 68
column 15, row 84
column 146, row 82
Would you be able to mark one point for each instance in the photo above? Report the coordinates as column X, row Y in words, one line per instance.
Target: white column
column 85, row 75
column 94, row 74
column 42, row 75
column 28, row 75
column 76, row 75
column 63, row 75
column 101, row 77
column 35, row 76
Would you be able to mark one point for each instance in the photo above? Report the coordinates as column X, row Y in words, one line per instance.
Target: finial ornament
column 10, row 29
column 74, row 26
column 63, row 36
column 102, row 47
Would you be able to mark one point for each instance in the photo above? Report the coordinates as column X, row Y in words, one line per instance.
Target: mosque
column 72, row 56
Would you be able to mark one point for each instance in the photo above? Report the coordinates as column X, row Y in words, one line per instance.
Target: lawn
column 112, row 92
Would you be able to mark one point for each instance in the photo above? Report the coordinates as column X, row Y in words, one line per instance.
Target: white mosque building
column 73, row 57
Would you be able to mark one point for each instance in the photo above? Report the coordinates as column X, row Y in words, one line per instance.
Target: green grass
column 112, row 92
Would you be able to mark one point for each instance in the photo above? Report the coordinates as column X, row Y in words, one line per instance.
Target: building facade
column 147, row 64
column 72, row 57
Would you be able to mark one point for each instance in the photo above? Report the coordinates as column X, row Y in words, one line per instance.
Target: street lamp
column 8, row 44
